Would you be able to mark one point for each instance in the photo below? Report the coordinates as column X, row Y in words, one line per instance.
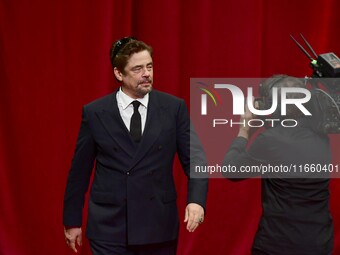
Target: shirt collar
column 127, row 100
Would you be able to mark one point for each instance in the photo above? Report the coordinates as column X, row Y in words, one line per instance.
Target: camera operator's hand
column 246, row 131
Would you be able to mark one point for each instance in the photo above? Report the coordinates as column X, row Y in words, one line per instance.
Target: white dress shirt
column 126, row 108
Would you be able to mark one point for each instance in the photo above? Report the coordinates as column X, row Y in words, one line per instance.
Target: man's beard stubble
column 141, row 90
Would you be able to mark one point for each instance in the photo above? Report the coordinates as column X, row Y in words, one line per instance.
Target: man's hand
column 194, row 215
column 73, row 235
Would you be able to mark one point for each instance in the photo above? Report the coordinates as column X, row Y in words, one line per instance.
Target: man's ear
column 118, row 74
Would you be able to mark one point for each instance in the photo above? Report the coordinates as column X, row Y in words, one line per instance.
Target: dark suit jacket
column 133, row 196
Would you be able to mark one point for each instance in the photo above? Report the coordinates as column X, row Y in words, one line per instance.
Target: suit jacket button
column 127, row 173
column 160, row 147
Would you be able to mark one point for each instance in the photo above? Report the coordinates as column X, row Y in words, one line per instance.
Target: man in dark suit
column 132, row 136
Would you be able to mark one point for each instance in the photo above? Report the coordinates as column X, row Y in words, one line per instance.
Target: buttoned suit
column 132, row 198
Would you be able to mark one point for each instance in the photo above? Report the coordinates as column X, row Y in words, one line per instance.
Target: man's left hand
column 194, row 216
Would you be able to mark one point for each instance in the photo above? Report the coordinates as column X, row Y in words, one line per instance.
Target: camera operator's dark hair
column 122, row 49
column 282, row 81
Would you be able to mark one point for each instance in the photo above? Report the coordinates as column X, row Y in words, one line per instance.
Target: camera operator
column 296, row 217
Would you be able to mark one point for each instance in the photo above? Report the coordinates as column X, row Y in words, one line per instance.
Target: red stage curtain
column 54, row 58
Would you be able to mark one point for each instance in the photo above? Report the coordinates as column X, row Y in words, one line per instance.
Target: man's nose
column 146, row 72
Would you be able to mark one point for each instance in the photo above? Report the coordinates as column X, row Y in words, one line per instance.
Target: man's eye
column 137, row 69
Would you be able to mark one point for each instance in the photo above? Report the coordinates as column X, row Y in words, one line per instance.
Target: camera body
column 326, row 104
column 324, row 86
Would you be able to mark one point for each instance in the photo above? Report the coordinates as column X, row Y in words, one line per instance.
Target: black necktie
column 136, row 123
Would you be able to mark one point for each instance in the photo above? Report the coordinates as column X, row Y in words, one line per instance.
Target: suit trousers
column 108, row 248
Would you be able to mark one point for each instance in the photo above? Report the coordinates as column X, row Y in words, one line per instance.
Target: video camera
column 325, row 89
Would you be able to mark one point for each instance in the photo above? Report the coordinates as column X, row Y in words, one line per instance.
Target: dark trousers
column 107, row 248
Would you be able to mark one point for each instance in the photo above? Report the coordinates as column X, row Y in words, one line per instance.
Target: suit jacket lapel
column 114, row 125
column 152, row 130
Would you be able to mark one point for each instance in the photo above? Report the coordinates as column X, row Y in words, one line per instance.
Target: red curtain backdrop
column 54, row 58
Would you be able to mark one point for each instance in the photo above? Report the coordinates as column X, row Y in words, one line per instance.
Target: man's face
column 138, row 75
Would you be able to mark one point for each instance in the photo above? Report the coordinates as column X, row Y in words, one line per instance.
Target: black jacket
column 133, row 196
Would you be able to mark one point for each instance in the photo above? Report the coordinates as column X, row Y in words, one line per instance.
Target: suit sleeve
column 79, row 175
column 191, row 153
column 238, row 156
